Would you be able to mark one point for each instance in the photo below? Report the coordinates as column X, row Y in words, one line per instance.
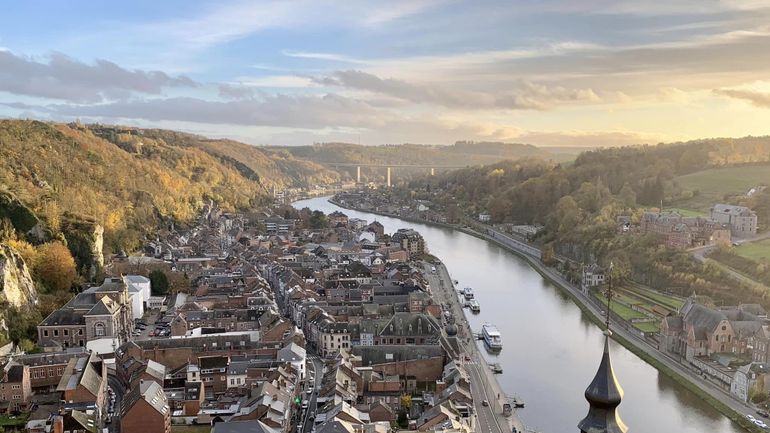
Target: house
column 485, row 217
column 377, row 228
column 140, row 285
column 677, row 231
column 194, row 395
column 15, row 387
column 338, row 218
column 46, row 369
column 593, row 276
column 85, row 381
column 295, row 355
column 213, row 372
column 742, row 220
column 749, row 380
column 411, row 241
column 145, row 409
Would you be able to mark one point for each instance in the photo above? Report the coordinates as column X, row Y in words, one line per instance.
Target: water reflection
column 551, row 349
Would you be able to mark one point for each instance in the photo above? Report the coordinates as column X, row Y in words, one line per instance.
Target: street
column 314, row 369
column 484, row 386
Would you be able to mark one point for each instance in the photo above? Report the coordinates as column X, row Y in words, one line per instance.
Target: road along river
column 551, row 350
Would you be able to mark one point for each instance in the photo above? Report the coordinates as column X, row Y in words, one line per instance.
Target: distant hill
column 130, row 180
column 462, row 153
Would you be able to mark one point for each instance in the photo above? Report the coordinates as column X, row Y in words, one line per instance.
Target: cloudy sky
column 546, row 72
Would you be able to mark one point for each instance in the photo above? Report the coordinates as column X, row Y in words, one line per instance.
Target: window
column 50, row 372
column 45, row 333
column 724, row 328
column 16, row 386
column 80, row 332
column 232, row 381
column 66, row 332
column 55, row 332
column 99, row 329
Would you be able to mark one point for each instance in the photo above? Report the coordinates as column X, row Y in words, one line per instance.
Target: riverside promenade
column 484, row 384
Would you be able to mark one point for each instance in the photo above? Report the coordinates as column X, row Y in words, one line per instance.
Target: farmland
column 710, row 186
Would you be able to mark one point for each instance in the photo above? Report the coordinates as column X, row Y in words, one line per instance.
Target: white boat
column 474, row 305
column 491, row 336
column 468, row 293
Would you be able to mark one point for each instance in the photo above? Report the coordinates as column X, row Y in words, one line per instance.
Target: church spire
column 604, row 393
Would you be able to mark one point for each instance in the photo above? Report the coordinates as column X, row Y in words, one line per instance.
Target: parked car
column 750, row 417
column 763, row 413
column 759, row 423
column 485, row 403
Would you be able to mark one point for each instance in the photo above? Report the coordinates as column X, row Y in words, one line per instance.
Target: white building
column 485, row 217
column 294, row 354
column 742, row 220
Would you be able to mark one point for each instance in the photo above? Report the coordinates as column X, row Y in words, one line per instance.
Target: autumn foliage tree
column 55, row 266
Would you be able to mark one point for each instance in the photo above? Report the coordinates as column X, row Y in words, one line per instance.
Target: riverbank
column 706, row 391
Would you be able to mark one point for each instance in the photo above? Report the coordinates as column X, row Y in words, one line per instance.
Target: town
column 297, row 323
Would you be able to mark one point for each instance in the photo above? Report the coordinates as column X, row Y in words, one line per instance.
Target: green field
column 687, row 212
column 756, row 251
column 648, row 326
column 713, row 184
column 660, row 298
column 621, row 310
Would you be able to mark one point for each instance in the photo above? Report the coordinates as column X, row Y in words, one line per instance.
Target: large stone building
column 98, row 312
column 742, row 220
column 702, row 331
column 677, row 231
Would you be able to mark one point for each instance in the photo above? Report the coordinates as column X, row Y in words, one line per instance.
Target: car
column 304, row 405
column 750, row 417
column 763, row 413
column 485, row 403
column 309, row 391
column 760, row 423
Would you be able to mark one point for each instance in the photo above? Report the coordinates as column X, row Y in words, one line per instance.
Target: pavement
column 484, row 385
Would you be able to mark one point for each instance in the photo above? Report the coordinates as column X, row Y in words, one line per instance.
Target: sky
column 295, row 72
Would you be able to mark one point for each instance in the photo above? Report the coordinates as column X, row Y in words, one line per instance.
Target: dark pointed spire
column 604, row 395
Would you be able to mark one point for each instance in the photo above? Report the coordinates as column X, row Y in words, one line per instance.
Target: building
column 593, row 276
column 377, row 228
column 749, row 380
column 85, row 381
column 139, row 292
column 338, row 218
column 411, row 241
column 15, row 387
column 701, row 331
column 145, row 409
column 46, row 369
column 742, row 220
column 98, row 312
column 485, row 217
column 677, row 231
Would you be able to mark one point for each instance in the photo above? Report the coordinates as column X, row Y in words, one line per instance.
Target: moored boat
column 492, row 336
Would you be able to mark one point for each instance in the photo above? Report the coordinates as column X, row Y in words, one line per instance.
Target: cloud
column 278, row 110
column 527, row 95
column 759, row 99
column 65, row 78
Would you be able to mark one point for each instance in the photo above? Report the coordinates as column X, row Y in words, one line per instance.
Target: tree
column 55, row 266
column 158, row 282
column 318, row 220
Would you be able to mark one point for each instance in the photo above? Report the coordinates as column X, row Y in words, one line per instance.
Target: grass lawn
column 660, row 298
column 756, row 251
column 714, row 183
column 19, row 421
column 687, row 212
column 621, row 310
column 648, row 326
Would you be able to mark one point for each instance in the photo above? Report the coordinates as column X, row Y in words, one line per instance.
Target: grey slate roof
column 242, row 427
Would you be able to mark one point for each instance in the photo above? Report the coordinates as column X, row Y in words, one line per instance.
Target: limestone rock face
column 85, row 239
column 16, row 286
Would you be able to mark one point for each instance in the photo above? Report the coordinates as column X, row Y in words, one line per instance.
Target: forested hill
column 130, row 180
column 643, row 175
column 462, row 153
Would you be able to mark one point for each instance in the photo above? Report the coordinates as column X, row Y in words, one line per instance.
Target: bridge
column 432, row 168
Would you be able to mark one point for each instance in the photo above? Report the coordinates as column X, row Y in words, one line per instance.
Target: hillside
column 271, row 169
column 579, row 204
column 134, row 180
column 703, row 188
column 459, row 154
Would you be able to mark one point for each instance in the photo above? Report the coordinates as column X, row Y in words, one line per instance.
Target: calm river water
column 551, row 350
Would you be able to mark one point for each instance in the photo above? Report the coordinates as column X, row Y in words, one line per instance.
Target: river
column 551, row 350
